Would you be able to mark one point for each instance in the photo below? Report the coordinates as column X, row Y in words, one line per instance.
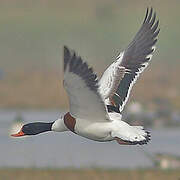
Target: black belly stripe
column 112, row 108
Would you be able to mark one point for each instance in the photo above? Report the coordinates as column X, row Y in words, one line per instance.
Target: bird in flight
column 96, row 105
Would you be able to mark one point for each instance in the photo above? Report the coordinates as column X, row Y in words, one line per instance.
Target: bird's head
column 33, row 129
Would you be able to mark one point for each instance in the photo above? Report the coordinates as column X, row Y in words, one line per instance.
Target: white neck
column 59, row 125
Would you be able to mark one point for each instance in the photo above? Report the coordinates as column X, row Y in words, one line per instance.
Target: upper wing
column 120, row 76
column 81, row 84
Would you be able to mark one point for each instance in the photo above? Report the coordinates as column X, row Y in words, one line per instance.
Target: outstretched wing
column 81, row 84
column 119, row 78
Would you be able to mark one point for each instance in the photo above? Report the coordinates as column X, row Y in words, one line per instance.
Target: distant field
column 38, row 174
column 32, row 33
column 44, row 89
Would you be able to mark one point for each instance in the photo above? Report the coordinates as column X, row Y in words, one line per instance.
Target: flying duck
column 96, row 105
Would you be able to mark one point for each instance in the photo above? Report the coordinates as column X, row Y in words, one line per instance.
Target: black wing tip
column 146, row 16
column 80, row 67
column 65, row 47
column 151, row 22
column 66, row 51
column 67, row 55
column 150, row 16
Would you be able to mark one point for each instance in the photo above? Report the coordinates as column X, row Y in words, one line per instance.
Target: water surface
column 66, row 149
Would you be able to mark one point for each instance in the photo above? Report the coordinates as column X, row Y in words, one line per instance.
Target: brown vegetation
column 33, row 89
column 29, row 174
column 44, row 89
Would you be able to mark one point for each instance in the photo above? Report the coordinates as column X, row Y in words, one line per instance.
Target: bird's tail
column 136, row 135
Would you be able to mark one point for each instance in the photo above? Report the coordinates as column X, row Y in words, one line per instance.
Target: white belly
column 98, row 131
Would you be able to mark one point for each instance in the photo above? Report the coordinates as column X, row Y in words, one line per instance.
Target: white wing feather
column 81, row 85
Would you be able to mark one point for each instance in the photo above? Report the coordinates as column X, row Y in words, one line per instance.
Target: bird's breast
column 70, row 122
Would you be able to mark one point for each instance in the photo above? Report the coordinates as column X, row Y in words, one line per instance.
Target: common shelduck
column 96, row 105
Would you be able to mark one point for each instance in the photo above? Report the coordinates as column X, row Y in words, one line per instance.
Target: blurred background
column 32, row 36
